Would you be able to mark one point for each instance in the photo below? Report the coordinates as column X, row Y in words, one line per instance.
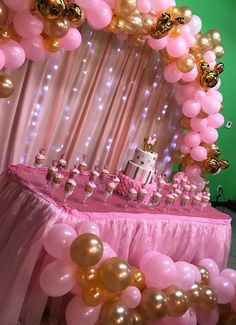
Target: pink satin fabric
column 27, row 213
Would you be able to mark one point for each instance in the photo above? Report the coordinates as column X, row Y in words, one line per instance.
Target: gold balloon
column 6, row 86
column 134, row 22
column 92, row 295
column 214, row 36
column 185, row 123
column 4, row 35
column 148, row 23
column 110, row 296
column 205, row 275
column 114, row 313
column 153, row 305
column 50, row 9
column 86, row 275
column 195, row 295
column 124, row 8
column 136, row 317
column 3, row 13
column 137, row 279
column 208, row 299
column 117, row 25
column 86, row 250
column 177, row 300
column 73, row 13
column 176, row 31
column 52, row 44
column 203, row 43
column 185, row 63
column 115, row 274
column 179, row 157
column 136, row 40
column 219, row 51
column 186, row 12
column 56, row 28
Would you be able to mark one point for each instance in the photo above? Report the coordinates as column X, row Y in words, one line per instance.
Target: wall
column 222, row 16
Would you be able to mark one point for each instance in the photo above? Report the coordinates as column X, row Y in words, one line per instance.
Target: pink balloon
column 161, row 4
column 184, row 149
column 198, row 276
column 200, row 183
column 209, row 56
column 14, row 54
column 160, row 272
column 211, row 105
column 233, row 303
column 145, row 258
column 131, row 297
column 215, row 120
column 200, row 95
column 27, row 25
column 100, row 18
column 209, row 135
column 211, row 266
column 144, row 6
column 189, row 90
column 190, row 76
column 199, row 153
column 111, row 3
column 189, row 318
column 53, row 56
column 171, row 73
column 195, row 24
column 208, row 317
column 107, row 253
column 215, row 94
column 177, row 47
column 79, row 313
column 193, row 171
column 229, row 274
column 191, row 108
column 185, row 275
column 223, row 288
column 198, row 124
column 192, row 139
column 158, row 44
column 85, row 4
column 58, row 278
column 71, row 41
column 187, row 36
column 34, row 48
column 2, row 59
column 77, row 290
column 58, row 241
column 88, row 227
column 18, row 4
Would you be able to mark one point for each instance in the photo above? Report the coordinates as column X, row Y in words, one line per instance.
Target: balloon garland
column 37, row 29
column 108, row 290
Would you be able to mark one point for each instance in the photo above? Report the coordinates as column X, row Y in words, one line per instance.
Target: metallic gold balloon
column 177, row 300
column 219, row 51
column 153, row 305
column 115, row 274
column 203, row 43
column 73, row 12
column 214, row 36
column 195, row 295
column 57, row 28
column 86, row 250
column 208, row 299
column 205, row 275
column 92, row 295
column 87, row 275
column 50, row 9
column 124, row 8
column 179, row 157
column 185, row 63
column 137, row 279
column 186, row 12
column 4, row 35
column 114, row 313
column 136, row 317
column 136, row 40
column 134, row 22
column 185, row 123
column 176, row 32
column 52, row 44
column 117, row 25
column 148, row 23
column 110, row 296
column 6, row 86
column 3, row 13
column 174, row 11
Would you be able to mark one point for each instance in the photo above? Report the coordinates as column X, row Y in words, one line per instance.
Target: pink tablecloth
column 27, row 211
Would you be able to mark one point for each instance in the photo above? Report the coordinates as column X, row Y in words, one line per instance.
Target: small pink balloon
column 211, row 266
column 192, row 139
column 199, row 153
column 211, row 105
column 161, row 4
column 200, row 95
column 190, row 76
column 34, row 48
column 189, row 90
column 233, row 303
column 17, row 5
column 2, row 59
column 176, row 47
column 27, row 25
column 229, row 274
column 209, row 135
column 77, row 312
column 131, row 297
column 215, row 120
column 100, row 18
column 215, row 94
column 71, row 41
column 185, row 149
column 209, row 56
column 58, row 240
column 208, row 317
column 190, row 40
column 191, row 108
column 144, row 6
column 185, row 275
column 85, row 4
column 88, row 227
column 108, row 252
column 198, row 124
column 158, row 44
column 171, row 73
column 14, row 54
column 58, row 278
column 223, row 288
column 195, row 24
column 193, row 171
column 145, row 258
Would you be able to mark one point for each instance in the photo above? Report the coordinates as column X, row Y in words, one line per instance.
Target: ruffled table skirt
column 27, row 212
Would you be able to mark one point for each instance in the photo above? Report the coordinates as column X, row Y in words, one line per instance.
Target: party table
column 28, row 209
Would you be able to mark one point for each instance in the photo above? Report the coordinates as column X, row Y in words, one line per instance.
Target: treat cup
column 169, row 200
column 161, row 184
column 39, row 160
column 51, row 172
column 56, row 181
column 88, row 191
column 62, row 162
column 185, row 198
column 69, row 187
column 94, row 176
column 187, row 188
column 178, row 192
column 82, row 166
column 193, row 189
column 204, row 202
column 104, row 174
column 110, row 187
column 156, row 199
column 195, row 202
column 131, row 196
column 141, row 196
column 116, row 180
column 74, row 173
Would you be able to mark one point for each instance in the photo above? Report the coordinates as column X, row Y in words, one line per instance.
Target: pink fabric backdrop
column 100, row 100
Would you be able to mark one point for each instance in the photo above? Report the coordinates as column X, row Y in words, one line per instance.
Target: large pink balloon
column 100, row 18
column 18, row 4
column 171, row 73
column 79, row 313
column 158, row 5
column 209, row 56
column 190, row 76
column 215, row 94
column 190, row 40
column 223, row 288
column 191, row 108
column 27, row 25
column 210, row 265
column 108, row 252
column 193, row 171
column 71, row 41
column 215, row 120
column 158, row 44
column 198, row 124
column 192, row 139
column 88, row 227
column 195, row 24
column 144, row 6
column 229, row 274
column 177, row 47
column 58, row 278
column 199, row 153
column 209, row 135
column 200, row 95
column 145, row 258
column 184, row 149
column 14, row 54
column 211, row 105
column 186, row 275
column 160, row 272
column 131, row 297
column 34, row 48
column 208, row 317
column 85, row 4
column 58, row 240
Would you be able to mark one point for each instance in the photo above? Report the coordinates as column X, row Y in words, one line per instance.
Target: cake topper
column 150, row 143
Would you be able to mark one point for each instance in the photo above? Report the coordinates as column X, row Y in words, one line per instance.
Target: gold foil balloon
column 50, row 9
column 110, row 296
column 74, row 14
column 92, row 295
column 219, row 51
column 205, row 275
column 153, row 305
column 176, row 32
column 3, row 13
column 134, row 22
column 185, row 63
column 114, row 313
column 124, row 8
column 195, row 295
column 115, row 274
column 86, row 250
column 186, row 12
column 185, row 123
column 148, row 23
column 214, row 36
column 56, row 28
column 177, row 300
column 203, row 43
column 136, row 317
column 4, row 35
column 208, row 299
column 6, row 86
column 138, row 279
column 52, row 44
column 179, row 157
column 87, row 275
